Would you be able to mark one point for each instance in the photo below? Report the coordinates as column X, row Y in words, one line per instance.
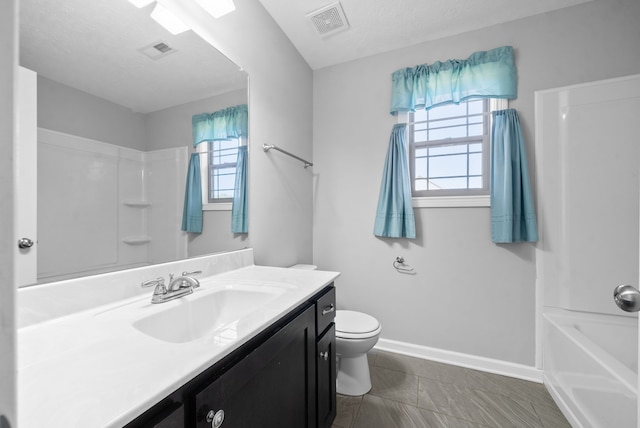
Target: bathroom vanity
column 282, row 378
column 252, row 346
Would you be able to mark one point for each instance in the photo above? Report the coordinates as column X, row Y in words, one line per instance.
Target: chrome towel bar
column 267, row 147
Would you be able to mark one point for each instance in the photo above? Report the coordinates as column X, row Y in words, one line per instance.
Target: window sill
column 452, row 201
column 219, row 206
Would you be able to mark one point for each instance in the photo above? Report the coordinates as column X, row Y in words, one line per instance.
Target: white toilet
column 356, row 334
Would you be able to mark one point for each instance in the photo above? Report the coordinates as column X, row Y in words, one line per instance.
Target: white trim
column 540, row 207
column 498, row 104
column 451, row 201
column 475, row 362
column 218, row 206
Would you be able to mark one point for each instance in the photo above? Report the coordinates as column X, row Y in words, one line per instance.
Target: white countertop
column 94, row 369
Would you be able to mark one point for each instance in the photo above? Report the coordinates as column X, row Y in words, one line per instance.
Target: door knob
column 627, row 298
column 25, row 243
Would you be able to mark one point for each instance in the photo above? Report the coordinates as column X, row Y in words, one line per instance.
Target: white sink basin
column 206, row 313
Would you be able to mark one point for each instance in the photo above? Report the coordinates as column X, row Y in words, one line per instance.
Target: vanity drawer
column 325, row 310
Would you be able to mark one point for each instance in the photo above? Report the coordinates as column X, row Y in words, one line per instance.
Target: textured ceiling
column 92, row 45
column 383, row 25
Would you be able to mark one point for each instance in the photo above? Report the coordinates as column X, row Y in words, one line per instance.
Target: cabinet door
column 175, row 419
column 171, row 416
column 327, row 378
column 272, row 387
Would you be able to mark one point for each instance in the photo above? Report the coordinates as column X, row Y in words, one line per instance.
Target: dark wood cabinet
column 272, row 387
column 326, row 377
column 282, row 378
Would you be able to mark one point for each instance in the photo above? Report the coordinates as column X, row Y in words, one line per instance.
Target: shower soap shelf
column 136, row 203
column 137, row 240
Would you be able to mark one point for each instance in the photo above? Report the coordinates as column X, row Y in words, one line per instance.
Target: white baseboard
column 490, row 365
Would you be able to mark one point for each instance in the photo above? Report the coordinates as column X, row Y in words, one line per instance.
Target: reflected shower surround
column 119, row 202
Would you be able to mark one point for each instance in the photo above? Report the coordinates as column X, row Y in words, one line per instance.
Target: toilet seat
column 356, row 325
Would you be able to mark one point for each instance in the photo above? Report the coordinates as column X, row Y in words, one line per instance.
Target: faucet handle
column 153, row 282
column 193, row 272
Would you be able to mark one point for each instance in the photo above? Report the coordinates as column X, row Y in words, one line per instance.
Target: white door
column 26, row 177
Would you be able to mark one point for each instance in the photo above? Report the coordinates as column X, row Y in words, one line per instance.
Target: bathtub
column 590, row 364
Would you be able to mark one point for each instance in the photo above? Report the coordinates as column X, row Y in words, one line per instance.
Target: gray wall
column 280, row 112
column 468, row 295
column 8, row 284
column 171, row 127
column 65, row 109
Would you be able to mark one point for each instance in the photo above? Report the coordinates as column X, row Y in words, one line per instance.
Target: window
column 220, row 164
column 449, row 149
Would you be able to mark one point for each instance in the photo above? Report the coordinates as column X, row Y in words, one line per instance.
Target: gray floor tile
column 517, row 389
column 477, row 406
column 377, row 412
column 346, row 411
column 411, row 392
column 421, row 367
column 551, row 416
column 394, row 385
column 505, row 411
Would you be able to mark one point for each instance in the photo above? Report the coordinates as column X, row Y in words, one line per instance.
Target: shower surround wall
column 158, row 134
column 104, row 207
column 588, row 157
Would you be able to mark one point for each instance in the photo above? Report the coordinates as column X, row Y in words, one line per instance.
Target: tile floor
column 415, row 393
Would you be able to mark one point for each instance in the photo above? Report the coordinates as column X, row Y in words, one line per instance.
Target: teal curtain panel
column 192, row 211
column 394, row 215
column 513, row 217
column 239, row 205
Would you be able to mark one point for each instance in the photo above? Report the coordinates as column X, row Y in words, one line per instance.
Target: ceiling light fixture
column 217, row 8
column 168, row 20
column 141, row 3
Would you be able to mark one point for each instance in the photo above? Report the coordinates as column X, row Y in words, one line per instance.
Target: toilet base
column 353, row 375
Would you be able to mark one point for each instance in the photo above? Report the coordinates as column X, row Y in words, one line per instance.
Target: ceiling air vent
column 329, row 20
column 157, row 50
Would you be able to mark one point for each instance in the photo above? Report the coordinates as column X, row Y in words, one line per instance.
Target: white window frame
column 203, row 148
column 457, row 201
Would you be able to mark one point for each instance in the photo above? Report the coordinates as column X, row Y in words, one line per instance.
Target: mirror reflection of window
column 222, row 163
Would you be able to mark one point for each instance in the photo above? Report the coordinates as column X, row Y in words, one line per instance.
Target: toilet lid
column 352, row 322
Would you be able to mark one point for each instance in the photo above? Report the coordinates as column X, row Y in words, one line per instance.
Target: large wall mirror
column 115, row 97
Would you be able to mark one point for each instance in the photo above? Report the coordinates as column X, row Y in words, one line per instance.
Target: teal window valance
column 231, row 122
column 486, row 74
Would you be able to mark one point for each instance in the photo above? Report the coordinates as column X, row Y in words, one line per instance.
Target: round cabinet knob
column 324, row 355
column 25, row 243
column 215, row 418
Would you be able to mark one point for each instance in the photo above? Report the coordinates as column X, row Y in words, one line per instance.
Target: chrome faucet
column 178, row 287
column 182, row 282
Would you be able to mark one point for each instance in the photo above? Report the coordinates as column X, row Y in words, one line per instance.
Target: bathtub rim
column 560, row 319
